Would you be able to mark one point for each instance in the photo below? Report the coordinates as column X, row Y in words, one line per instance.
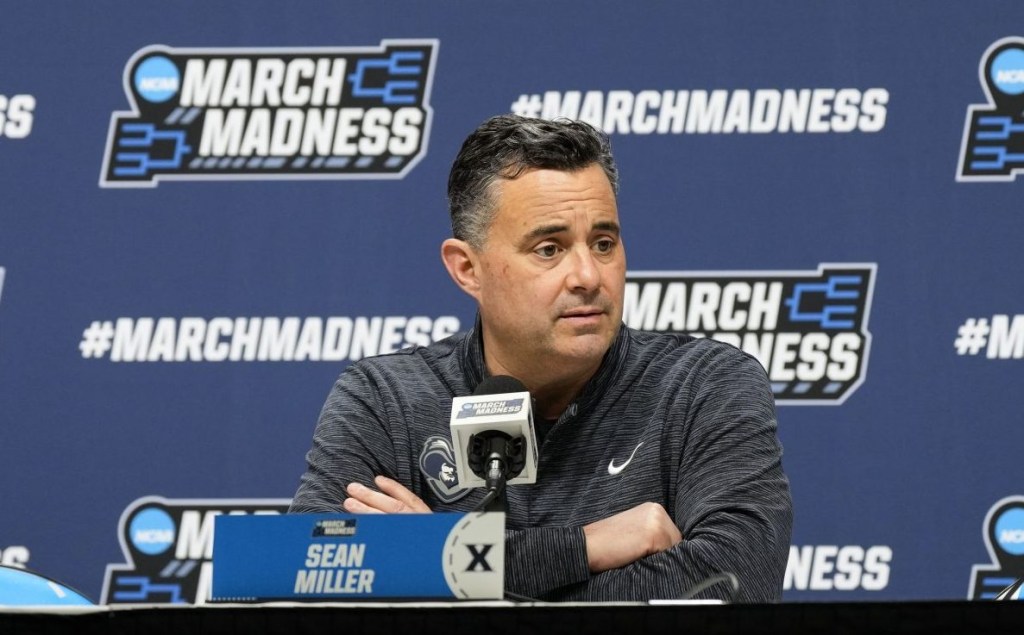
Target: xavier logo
column 437, row 463
column 993, row 141
column 473, row 559
column 478, row 557
column 615, row 469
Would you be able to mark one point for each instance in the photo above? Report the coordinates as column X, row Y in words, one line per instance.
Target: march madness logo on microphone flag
column 268, row 113
column 485, row 408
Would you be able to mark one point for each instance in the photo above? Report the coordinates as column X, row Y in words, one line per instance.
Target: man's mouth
column 582, row 315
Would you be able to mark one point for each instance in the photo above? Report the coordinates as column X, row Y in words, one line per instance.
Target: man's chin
column 586, row 346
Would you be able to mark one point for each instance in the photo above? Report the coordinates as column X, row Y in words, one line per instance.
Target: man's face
column 551, row 273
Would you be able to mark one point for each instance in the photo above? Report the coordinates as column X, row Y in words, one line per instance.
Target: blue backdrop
column 208, row 210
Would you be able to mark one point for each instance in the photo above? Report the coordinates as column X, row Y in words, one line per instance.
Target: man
column 659, row 466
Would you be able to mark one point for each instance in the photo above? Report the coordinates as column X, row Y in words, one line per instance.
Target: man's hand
column 393, row 498
column 626, row 537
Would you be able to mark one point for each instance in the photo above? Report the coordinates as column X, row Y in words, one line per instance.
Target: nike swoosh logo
column 615, row 469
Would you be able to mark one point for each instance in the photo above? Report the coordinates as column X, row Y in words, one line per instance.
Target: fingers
column 410, row 502
column 393, row 498
column 371, row 500
column 355, row 506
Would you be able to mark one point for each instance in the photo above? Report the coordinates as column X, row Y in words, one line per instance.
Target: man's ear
column 460, row 259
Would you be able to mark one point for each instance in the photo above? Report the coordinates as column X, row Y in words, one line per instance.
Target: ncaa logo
column 1003, row 532
column 993, row 142
column 1009, row 531
column 157, row 79
column 152, row 531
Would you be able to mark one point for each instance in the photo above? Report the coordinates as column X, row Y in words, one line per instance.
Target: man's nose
column 583, row 272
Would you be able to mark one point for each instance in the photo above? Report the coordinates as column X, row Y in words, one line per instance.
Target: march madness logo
column 488, row 408
column 1003, row 532
column 168, row 549
column 993, row 142
column 807, row 328
column 271, row 113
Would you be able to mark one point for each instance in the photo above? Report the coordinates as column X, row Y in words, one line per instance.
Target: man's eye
column 604, row 246
column 547, row 251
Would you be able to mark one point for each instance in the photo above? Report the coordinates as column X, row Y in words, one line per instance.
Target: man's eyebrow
column 557, row 228
column 545, row 230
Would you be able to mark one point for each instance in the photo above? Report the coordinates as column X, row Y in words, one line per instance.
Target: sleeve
column 351, row 442
column 540, row 559
column 732, row 504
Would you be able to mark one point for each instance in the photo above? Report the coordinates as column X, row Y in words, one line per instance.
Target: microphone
column 493, row 438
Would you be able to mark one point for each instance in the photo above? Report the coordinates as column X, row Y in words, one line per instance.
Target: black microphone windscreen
column 499, row 384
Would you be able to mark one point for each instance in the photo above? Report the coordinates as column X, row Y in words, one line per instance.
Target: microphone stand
column 496, row 457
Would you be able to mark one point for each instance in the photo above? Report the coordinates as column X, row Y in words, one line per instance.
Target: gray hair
column 505, row 146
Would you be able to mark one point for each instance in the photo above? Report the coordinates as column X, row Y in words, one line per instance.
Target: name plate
column 331, row 557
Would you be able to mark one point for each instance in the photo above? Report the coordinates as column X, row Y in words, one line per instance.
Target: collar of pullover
column 472, row 355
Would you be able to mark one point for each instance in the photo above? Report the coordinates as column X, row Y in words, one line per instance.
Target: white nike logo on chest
column 615, row 469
